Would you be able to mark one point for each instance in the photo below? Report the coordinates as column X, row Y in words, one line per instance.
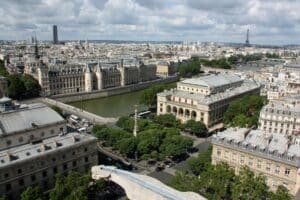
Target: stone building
column 281, row 117
column 72, row 78
column 35, row 146
column 165, row 69
column 274, row 156
column 205, row 98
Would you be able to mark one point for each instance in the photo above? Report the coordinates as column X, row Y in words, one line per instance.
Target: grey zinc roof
column 29, row 151
column 26, row 118
column 213, row 80
column 208, row 99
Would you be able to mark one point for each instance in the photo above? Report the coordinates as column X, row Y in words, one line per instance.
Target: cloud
column 270, row 21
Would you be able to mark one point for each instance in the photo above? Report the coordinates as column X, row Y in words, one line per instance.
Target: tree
column 197, row 128
column 216, row 182
column 167, row 120
column 249, row 187
column 175, row 147
column 32, row 193
column 32, row 86
column 281, row 194
column 128, row 146
column 190, row 67
column 148, row 97
column 125, row 123
column 183, row 182
column 72, row 187
column 201, row 163
column 3, row 71
column 244, row 112
column 16, row 88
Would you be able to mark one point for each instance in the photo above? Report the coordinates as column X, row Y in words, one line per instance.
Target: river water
column 113, row 106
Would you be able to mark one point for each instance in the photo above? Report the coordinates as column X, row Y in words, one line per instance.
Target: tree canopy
column 22, row 86
column 148, row 96
column 244, row 112
column 190, row 67
column 32, row 193
column 196, row 127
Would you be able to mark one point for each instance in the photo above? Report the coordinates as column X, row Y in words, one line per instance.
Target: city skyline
column 270, row 22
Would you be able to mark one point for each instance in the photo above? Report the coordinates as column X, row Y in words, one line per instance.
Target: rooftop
column 213, row 80
column 208, row 99
column 50, row 145
column 30, row 116
column 272, row 146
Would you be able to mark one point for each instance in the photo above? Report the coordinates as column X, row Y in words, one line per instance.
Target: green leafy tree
column 175, row 147
column 16, row 88
column 201, row 163
column 32, row 193
column 148, row 96
column 3, row 71
column 244, row 112
column 32, row 86
column 216, row 182
column 128, row 146
column 249, row 187
column 281, row 194
column 190, row 67
column 196, row 127
column 72, row 187
column 184, row 182
column 125, row 123
column 167, row 120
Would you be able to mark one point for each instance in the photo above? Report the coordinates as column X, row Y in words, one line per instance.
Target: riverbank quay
column 67, row 98
column 93, row 118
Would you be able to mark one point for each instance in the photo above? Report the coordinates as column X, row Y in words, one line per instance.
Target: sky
column 269, row 21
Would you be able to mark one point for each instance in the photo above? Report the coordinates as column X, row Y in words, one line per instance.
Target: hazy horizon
column 226, row 21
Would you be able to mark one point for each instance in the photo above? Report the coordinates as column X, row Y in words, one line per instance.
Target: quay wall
column 66, row 98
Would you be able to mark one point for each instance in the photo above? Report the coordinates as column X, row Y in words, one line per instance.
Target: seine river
column 113, row 106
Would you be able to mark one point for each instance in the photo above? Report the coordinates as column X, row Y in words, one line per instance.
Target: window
column 65, row 166
column 277, row 170
column 85, row 149
column 54, row 170
column 218, row 152
column 234, row 156
column 33, row 178
column 8, row 187
column 52, row 131
column 250, row 162
column 21, row 182
column 42, row 134
column 258, row 164
column 242, row 160
column 226, row 154
column 20, row 139
column 74, row 163
column 44, row 173
column 287, row 171
column 268, row 167
column 86, row 159
column 53, row 159
column 8, row 142
column 19, row 171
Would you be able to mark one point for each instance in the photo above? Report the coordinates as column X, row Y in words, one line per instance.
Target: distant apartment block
column 275, row 156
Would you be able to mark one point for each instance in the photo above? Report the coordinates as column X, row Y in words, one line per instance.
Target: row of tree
column 244, row 112
column 148, row 97
column 216, row 63
column 72, row 187
column 190, row 67
column 20, row 86
column 154, row 140
column 219, row 181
